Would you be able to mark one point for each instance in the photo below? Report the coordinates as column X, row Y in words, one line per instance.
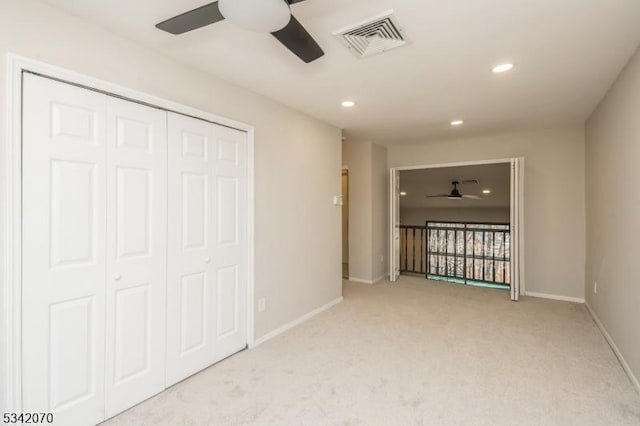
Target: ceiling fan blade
column 299, row 41
column 193, row 19
column 472, row 197
column 436, row 196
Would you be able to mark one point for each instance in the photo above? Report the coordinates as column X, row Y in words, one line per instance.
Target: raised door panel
column 72, row 213
column 227, row 217
column 133, row 330
column 63, row 271
column 136, row 253
column 72, row 352
column 134, row 200
column 228, row 308
column 193, row 312
column 231, row 236
column 191, row 275
column 195, row 211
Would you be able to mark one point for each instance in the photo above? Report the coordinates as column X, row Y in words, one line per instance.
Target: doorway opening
column 459, row 223
column 345, row 223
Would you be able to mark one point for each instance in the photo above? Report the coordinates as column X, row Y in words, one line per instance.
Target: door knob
column 117, row 276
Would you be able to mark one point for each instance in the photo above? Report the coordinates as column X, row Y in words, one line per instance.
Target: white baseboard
column 293, row 323
column 380, row 278
column 554, row 297
column 623, row 362
column 360, row 280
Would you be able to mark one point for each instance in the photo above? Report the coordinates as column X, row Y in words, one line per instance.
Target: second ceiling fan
column 455, row 194
column 272, row 16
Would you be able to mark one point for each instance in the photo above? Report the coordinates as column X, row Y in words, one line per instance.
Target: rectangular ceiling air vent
column 373, row 36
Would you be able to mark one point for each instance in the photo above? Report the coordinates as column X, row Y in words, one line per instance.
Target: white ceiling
column 419, row 183
column 567, row 53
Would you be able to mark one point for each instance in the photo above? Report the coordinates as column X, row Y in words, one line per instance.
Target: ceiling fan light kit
column 264, row 16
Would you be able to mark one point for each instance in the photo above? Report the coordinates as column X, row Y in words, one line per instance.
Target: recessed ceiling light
column 486, row 191
column 403, row 193
column 502, row 68
column 348, row 104
column 457, row 122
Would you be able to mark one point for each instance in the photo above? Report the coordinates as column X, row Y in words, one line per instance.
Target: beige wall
column 297, row 158
column 367, row 163
column 418, row 216
column 357, row 157
column 554, row 219
column 613, row 213
column 380, row 212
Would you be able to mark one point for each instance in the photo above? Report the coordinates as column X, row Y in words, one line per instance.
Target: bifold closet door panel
column 64, row 263
column 207, row 264
column 230, row 244
column 136, row 253
column 190, row 272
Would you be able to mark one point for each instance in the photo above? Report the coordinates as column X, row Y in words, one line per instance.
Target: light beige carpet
column 414, row 353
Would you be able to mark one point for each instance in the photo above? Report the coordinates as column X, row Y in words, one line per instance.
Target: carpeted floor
column 414, row 353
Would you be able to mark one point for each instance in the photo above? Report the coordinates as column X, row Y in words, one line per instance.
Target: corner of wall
column 368, row 211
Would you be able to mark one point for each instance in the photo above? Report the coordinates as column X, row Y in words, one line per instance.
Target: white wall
column 554, row 218
column 417, row 216
column 613, row 213
column 368, row 209
column 297, row 158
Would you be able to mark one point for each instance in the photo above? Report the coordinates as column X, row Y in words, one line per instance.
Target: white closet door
column 207, row 269
column 64, row 198
column 136, row 253
column 230, row 249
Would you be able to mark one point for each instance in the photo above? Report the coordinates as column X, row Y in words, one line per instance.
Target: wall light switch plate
column 595, row 287
column 262, row 304
column 337, row 200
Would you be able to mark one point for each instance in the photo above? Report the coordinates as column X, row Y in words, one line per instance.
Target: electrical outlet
column 262, row 304
column 595, row 287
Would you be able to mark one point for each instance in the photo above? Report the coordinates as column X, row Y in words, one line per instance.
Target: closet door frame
column 11, row 205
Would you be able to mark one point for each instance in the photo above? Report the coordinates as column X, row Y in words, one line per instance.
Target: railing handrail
column 469, row 223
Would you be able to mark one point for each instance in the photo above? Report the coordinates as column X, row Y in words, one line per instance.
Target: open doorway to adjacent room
column 459, row 223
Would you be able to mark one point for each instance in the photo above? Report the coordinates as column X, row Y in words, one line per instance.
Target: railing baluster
column 493, row 256
column 421, row 248
column 406, row 253
column 464, row 275
column 504, row 256
column 446, row 252
column 474, row 255
column 483, row 253
column 413, row 251
column 427, row 253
